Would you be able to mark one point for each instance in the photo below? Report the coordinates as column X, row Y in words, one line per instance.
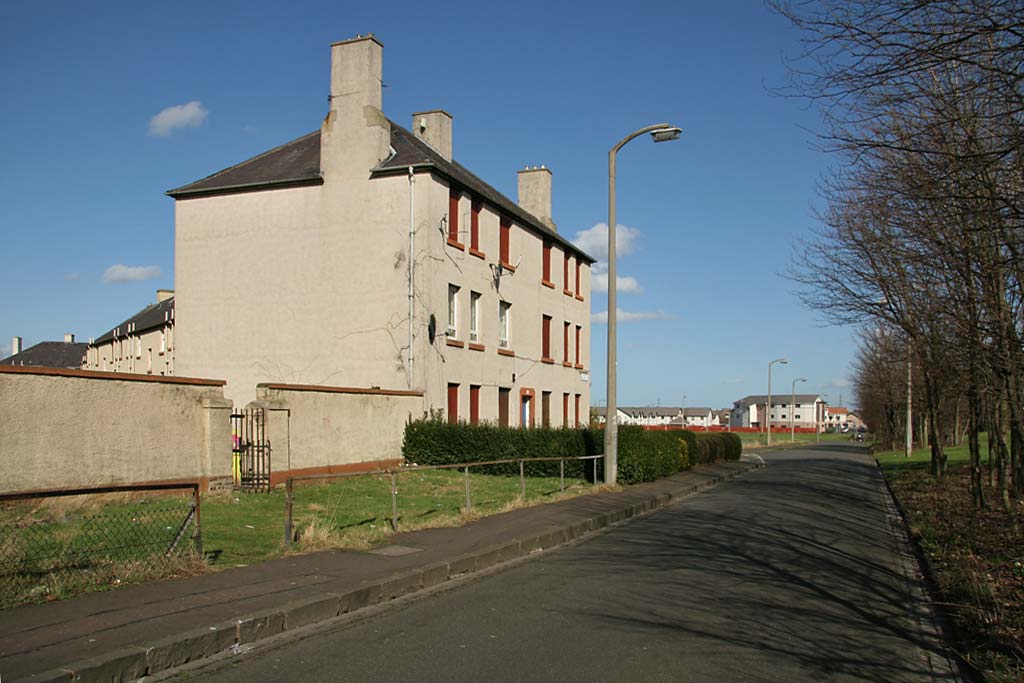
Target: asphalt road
column 789, row 573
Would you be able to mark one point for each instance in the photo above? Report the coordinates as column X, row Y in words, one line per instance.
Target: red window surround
column 565, row 275
column 579, row 330
column 565, row 410
column 578, row 295
column 474, row 229
column 505, row 226
column 474, row 404
column 453, row 403
column 546, row 340
column 577, row 410
column 546, row 278
column 453, row 218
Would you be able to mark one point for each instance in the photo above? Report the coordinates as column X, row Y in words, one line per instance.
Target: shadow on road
column 796, row 561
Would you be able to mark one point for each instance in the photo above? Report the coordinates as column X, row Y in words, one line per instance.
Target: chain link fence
column 58, row 543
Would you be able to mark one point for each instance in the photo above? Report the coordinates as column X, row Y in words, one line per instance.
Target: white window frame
column 453, row 310
column 474, row 316
column 504, row 323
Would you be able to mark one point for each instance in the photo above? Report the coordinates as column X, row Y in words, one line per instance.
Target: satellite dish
column 432, row 328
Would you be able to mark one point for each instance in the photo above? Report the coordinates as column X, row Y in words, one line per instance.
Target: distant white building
column 644, row 415
column 805, row 410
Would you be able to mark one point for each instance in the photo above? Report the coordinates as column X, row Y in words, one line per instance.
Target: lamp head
column 666, row 134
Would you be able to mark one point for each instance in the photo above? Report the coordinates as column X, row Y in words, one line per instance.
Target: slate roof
column 293, row 163
column 49, row 354
column 696, row 412
column 297, row 163
column 148, row 318
column 781, row 397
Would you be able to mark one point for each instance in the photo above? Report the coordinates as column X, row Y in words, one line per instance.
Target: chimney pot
column 434, row 128
column 15, row 345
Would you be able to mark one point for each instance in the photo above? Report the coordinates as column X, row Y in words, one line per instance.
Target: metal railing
column 81, row 544
column 393, row 474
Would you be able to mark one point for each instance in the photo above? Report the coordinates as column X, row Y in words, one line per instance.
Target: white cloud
column 188, row 115
column 123, row 273
column 601, row 318
column 594, row 240
column 72, row 277
column 624, row 285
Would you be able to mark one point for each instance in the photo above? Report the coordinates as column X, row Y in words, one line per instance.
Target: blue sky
column 88, row 235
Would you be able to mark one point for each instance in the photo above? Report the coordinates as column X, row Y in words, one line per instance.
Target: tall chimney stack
column 15, row 345
column 434, row 128
column 163, row 295
column 535, row 193
column 355, row 136
column 69, row 338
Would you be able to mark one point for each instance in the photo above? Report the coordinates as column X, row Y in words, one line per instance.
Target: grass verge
column 240, row 529
column 976, row 556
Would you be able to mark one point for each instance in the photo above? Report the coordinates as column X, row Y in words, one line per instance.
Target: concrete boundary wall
column 321, row 429
column 78, row 428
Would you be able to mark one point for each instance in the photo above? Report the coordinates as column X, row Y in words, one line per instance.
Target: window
column 565, row 274
column 474, row 403
column 503, row 323
column 474, row 226
column 545, row 408
column 565, row 410
column 545, row 346
column 163, row 342
column 546, row 277
column 565, row 342
column 578, row 278
column 504, row 395
column 579, row 331
column 453, row 216
column 503, row 242
column 453, row 403
column 796, row 417
column 474, row 316
column 577, row 410
column 453, row 297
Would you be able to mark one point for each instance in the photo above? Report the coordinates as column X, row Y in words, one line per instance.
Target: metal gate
column 250, row 450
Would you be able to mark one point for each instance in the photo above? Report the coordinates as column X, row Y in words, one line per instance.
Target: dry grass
column 978, row 560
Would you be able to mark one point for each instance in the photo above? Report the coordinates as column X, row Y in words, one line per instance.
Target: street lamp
column 661, row 132
column 817, row 427
column 792, row 405
column 768, row 405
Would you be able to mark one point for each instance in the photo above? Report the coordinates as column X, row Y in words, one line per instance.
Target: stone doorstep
column 172, row 651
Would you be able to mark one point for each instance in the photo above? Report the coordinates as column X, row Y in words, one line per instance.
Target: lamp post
column 817, row 428
column 660, row 132
column 768, row 405
column 792, row 405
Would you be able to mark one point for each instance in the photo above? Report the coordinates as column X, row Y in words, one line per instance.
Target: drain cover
column 394, row 550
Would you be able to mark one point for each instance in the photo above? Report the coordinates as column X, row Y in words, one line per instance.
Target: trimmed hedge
column 646, row 456
column 717, row 446
column 643, row 455
column 433, row 441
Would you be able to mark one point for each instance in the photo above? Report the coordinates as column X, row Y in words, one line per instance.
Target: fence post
column 522, row 481
column 198, row 534
column 561, row 476
column 594, row 463
column 394, row 503
column 288, row 513
column 469, row 501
